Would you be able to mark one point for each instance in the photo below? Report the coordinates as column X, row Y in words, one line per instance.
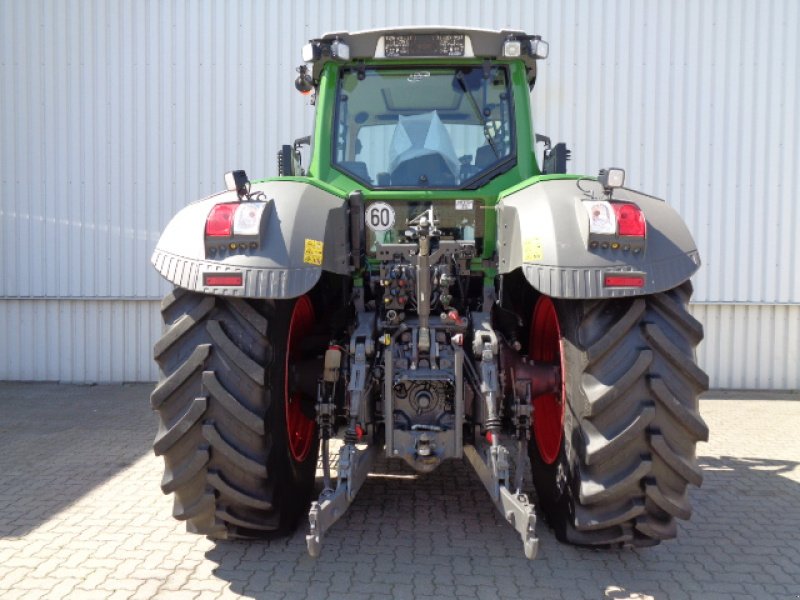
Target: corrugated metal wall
column 113, row 115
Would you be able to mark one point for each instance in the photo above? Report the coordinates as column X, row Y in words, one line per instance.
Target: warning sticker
column 312, row 254
column 532, row 249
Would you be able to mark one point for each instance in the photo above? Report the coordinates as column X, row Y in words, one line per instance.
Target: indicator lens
column 631, row 220
column 624, row 281
column 219, row 222
column 220, row 280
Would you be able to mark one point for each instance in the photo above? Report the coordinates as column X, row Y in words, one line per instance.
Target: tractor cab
column 422, row 108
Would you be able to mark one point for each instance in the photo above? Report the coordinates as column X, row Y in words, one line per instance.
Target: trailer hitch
column 491, row 462
column 354, row 465
column 492, row 466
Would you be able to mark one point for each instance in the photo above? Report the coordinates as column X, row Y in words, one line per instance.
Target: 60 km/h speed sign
column 379, row 216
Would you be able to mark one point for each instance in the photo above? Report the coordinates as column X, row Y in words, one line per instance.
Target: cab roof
column 479, row 43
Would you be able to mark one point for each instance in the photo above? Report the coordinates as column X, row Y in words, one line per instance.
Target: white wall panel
column 78, row 340
column 750, row 347
column 113, row 115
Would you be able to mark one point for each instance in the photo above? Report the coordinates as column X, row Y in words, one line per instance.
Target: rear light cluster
column 235, row 218
column 615, row 218
column 230, row 227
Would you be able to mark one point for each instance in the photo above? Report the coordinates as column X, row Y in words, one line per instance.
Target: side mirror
column 555, row 160
column 285, row 161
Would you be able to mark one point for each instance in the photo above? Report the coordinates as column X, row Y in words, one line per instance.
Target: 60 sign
column 379, row 216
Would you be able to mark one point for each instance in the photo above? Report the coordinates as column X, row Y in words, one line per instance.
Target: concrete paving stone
column 37, row 583
column 35, row 595
column 16, row 594
column 229, row 594
column 147, row 589
column 113, row 584
column 82, row 592
column 204, row 585
column 264, row 595
column 12, row 576
column 176, row 580
column 434, row 535
column 176, row 595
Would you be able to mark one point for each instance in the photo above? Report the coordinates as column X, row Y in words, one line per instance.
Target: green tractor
column 426, row 289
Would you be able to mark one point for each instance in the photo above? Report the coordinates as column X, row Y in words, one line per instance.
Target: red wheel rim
column 299, row 428
column 544, row 346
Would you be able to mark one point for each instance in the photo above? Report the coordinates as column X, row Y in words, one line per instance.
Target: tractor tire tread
column 633, row 431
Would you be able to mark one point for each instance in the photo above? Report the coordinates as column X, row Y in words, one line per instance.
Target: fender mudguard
column 303, row 232
column 544, row 230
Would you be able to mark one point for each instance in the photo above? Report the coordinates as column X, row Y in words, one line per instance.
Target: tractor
column 426, row 287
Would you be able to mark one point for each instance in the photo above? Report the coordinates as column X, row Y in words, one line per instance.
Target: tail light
column 615, row 218
column 630, row 220
column 235, row 218
column 220, row 220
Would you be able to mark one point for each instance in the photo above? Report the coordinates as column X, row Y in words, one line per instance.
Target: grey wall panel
column 750, row 347
column 78, row 340
column 113, row 115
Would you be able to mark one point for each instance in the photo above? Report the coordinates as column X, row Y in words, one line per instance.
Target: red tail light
column 630, row 219
column 220, row 220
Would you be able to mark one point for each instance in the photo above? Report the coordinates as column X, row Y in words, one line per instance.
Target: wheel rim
column 548, row 409
column 299, row 428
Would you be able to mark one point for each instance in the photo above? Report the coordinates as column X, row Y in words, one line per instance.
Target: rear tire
column 630, row 419
column 221, row 403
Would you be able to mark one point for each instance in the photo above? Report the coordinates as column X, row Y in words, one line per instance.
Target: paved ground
column 82, row 516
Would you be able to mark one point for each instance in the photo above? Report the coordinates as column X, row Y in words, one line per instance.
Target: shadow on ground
column 409, row 536
column 58, row 442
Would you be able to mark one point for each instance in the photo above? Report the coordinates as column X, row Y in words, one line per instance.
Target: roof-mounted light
column 512, row 48
column 340, row 50
column 311, row 52
column 539, row 48
column 315, row 50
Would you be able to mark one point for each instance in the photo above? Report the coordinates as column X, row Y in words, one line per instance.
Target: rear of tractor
column 425, row 290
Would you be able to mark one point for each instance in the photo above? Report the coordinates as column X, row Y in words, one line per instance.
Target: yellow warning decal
column 532, row 249
column 312, row 254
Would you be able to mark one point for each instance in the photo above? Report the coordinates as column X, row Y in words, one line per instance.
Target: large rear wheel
column 613, row 453
column 238, row 440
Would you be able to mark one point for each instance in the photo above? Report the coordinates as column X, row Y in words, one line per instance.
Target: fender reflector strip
column 222, row 279
column 624, row 281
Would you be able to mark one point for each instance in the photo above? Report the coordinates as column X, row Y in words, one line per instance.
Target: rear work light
column 630, row 220
column 235, row 218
